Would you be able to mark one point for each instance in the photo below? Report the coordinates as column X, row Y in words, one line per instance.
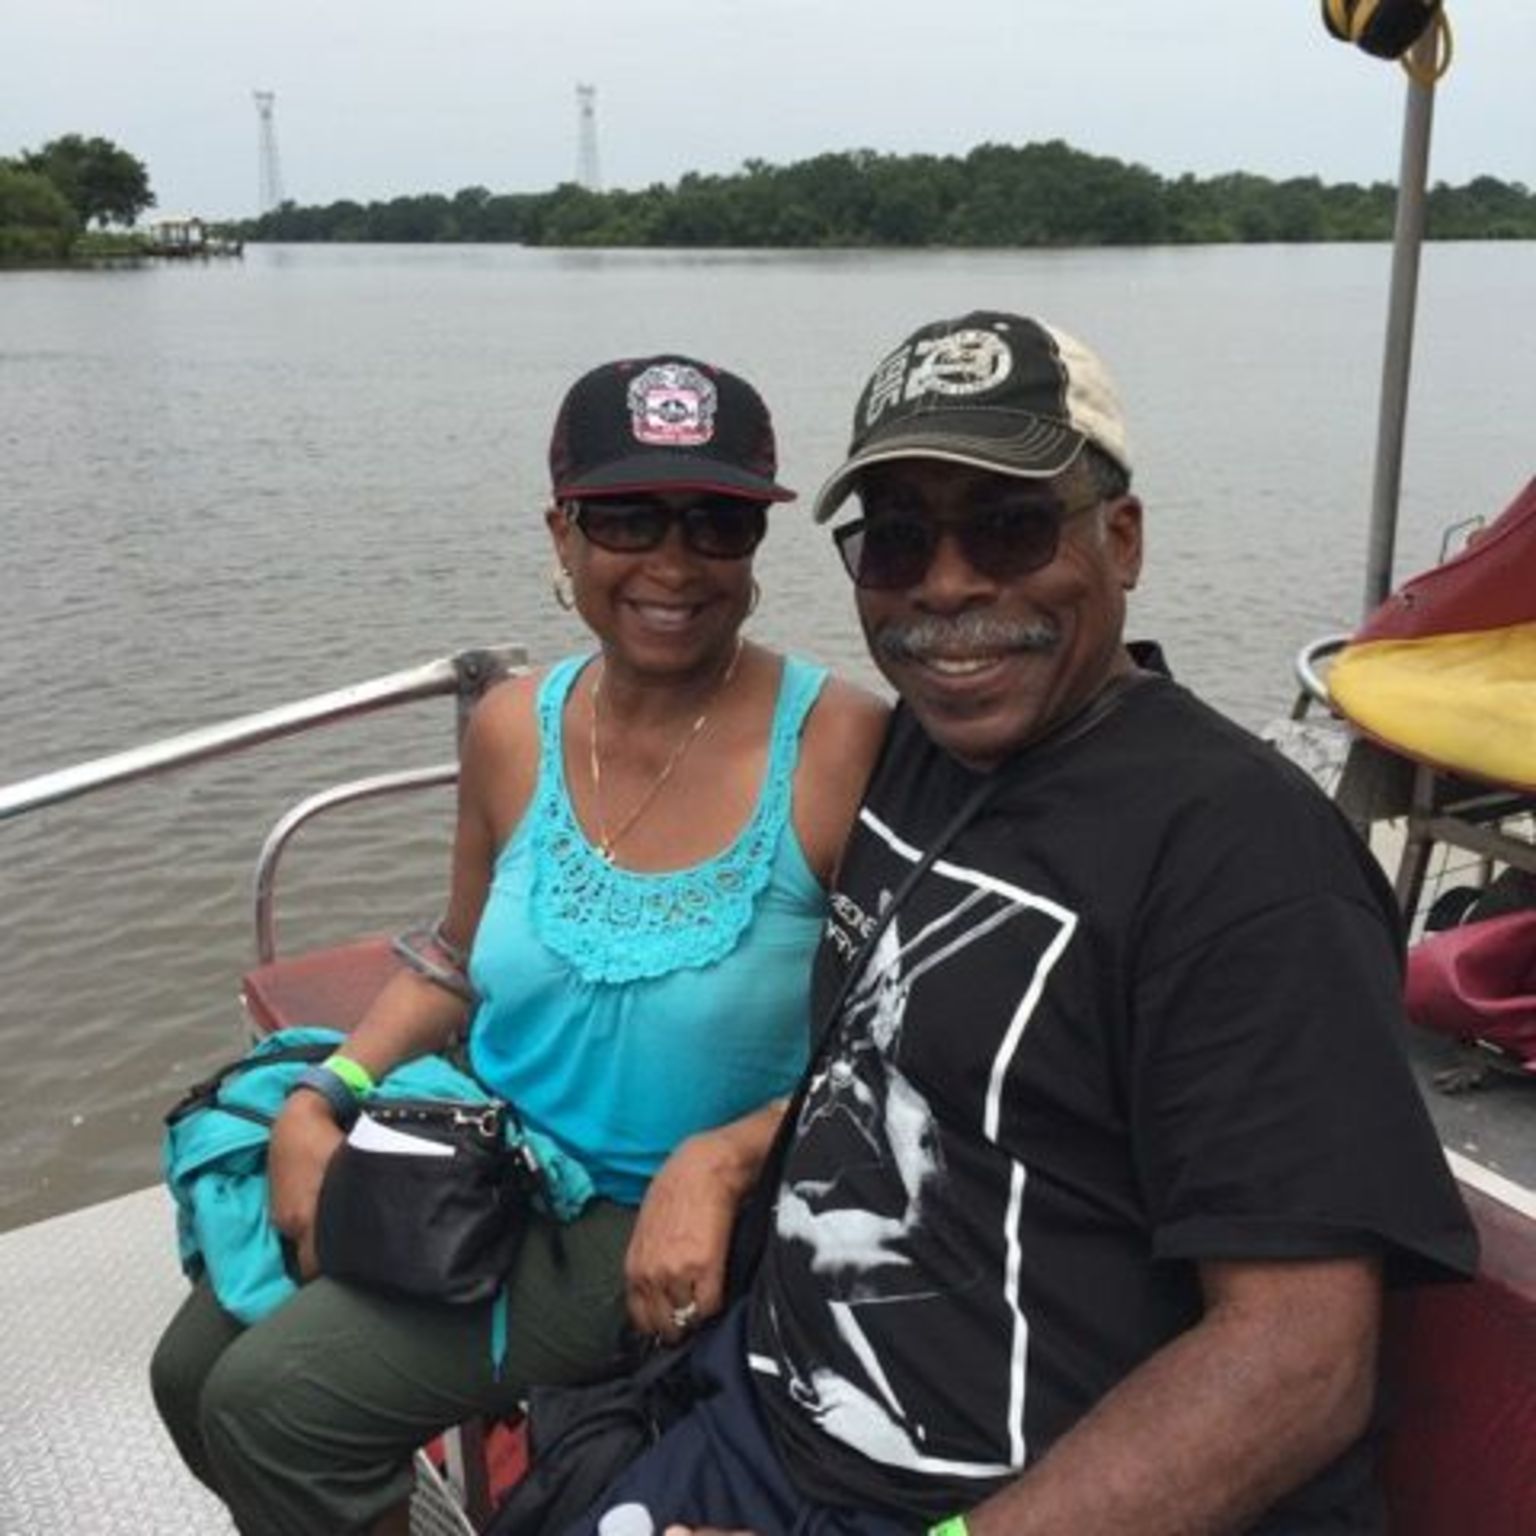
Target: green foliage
column 101, row 182
column 110, row 245
column 997, row 195
column 36, row 223
column 1484, row 209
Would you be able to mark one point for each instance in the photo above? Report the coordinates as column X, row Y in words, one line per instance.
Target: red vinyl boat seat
column 330, row 987
column 1460, row 1391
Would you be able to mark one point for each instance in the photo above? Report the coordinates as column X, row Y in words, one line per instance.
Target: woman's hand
column 674, row 1272
column 304, row 1137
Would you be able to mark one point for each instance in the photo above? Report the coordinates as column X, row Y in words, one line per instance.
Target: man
column 1088, row 1208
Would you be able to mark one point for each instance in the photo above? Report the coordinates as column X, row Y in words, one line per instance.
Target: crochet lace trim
column 616, row 925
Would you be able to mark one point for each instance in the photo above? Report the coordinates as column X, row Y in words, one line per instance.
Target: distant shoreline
column 1033, row 196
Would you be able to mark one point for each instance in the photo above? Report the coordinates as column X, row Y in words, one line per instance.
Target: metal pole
column 1397, row 364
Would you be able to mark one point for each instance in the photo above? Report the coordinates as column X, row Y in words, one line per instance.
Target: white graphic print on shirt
column 868, row 1204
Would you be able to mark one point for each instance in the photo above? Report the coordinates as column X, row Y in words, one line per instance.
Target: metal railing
column 1312, row 685
column 465, row 675
column 291, row 820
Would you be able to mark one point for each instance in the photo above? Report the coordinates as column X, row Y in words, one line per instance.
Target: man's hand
column 677, row 1252
column 303, row 1139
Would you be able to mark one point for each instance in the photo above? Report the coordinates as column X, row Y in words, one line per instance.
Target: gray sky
column 379, row 97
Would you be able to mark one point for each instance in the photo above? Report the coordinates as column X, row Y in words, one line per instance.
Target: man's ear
column 1122, row 537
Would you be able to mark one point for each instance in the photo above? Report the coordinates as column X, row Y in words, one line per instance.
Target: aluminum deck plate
column 83, row 1298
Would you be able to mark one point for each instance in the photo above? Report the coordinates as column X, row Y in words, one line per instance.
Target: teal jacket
column 214, row 1159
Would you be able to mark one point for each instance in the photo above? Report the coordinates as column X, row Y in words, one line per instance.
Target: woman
column 644, row 841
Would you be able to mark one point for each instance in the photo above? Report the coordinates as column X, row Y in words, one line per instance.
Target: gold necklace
column 608, row 841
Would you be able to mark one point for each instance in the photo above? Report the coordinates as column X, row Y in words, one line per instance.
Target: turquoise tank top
column 621, row 1012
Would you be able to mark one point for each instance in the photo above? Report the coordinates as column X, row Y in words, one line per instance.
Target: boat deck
column 83, row 1298
column 1493, row 1126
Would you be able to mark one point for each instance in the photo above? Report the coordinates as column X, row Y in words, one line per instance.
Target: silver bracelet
column 414, row 948
column 459, row 957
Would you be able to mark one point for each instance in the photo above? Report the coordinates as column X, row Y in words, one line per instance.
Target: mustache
column 964, row 634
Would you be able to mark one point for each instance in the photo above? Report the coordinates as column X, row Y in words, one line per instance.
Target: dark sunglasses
column 717, row 527
column 1001, row 539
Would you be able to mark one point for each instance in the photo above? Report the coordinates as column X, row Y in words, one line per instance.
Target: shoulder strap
column 751, row 1230
column 799, row 688
column 549, row 703
column 968, row 811
column 550, row 795
column 205, row 1094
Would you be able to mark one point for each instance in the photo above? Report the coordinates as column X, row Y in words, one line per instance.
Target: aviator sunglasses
column 1001, row 538
column 716, row 527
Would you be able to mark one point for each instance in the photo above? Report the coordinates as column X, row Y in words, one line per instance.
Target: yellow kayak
column 1465, row 702
column 1445, row 670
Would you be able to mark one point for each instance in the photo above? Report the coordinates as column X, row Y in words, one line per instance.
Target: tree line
column 1046, row 194
column 51, row 196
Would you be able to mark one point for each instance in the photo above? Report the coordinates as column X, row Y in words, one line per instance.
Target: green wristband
column 356, row 1077
column 954, row 1526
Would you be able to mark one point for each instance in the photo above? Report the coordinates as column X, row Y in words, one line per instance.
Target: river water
column 223, row 486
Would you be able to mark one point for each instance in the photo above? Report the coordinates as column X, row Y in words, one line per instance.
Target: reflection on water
column 227, row 485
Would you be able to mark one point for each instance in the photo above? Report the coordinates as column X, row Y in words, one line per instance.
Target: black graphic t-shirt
column 1141, row 1013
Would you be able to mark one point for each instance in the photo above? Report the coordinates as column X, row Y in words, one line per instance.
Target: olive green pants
column 305, row 1424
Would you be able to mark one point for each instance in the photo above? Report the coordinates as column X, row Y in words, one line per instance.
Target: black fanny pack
column 427, row 1198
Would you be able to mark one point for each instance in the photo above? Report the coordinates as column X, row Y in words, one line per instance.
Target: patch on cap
column 960, row 363
column 672, row 405
column 663, row 422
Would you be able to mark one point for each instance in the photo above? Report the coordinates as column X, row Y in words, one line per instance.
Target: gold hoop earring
column 755, row 598
column 563, row 587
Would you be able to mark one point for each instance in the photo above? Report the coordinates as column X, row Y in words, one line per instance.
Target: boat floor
column 1493, row 1125
column 83, row 1298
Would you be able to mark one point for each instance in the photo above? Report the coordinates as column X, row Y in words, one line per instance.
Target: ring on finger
column 685, row 1316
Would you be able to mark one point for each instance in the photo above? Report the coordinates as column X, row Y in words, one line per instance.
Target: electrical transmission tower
column 587, row 173
column 270, row 174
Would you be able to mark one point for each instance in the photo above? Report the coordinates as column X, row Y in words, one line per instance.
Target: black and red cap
column 663, row 423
